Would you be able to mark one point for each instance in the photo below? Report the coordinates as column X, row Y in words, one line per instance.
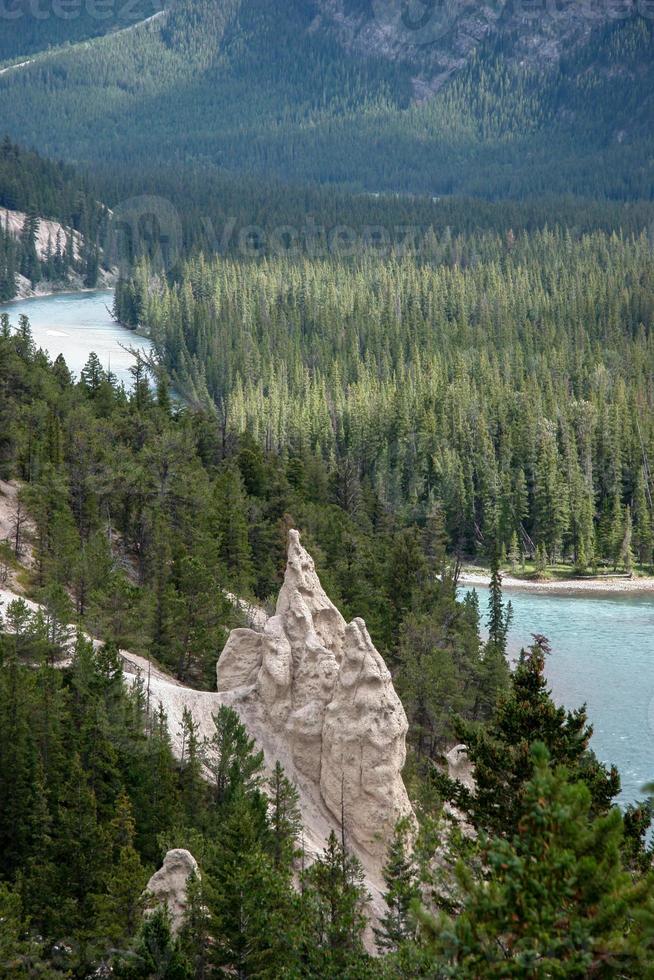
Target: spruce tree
column 285, row 819
column 397, row 926
column 555, row 899
column 501, row 752
column 499, row 615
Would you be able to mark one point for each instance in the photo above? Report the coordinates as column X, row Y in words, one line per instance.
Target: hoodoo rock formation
column 168, row 886
column 325, row 691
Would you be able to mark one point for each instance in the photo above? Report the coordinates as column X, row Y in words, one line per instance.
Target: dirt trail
column 21, row 64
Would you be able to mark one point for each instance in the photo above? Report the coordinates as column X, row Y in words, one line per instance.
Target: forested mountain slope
column 29, row 27
column 50, row 223
column 248, row 87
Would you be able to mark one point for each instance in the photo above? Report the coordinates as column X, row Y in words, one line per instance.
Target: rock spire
column 327, row 693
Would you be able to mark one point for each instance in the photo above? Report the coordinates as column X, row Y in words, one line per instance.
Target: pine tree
column 551, row 505
column 81, row 851
column 334, row 891
column 231, row 758
column 541, row 560
column 231, row 529
column 626, row 552
column 436, row 539
column 192, row 784
column 196, row 940
column 397, row 925
column 555, row 899
column 643, row 525
column 17, row 750
column 141, row 395
column 617, row 531
column 21, row 956
column 155, row 794
column 251, row 902
column 501, row 757
column 514, row 552
column 285, row 819
column 30, row 266
column 119, row 908
column 156, row 954
column 93, row 375
column 39, row 873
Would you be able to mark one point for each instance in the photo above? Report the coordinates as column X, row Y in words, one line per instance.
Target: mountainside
column 437, row 37
column 28, row 28
column 443, row 99
column 50, row 225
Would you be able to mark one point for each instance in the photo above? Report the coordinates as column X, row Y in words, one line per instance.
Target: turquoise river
column 74, row 324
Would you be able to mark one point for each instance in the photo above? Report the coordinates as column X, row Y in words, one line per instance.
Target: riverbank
column 608, row 584
column 26, row 290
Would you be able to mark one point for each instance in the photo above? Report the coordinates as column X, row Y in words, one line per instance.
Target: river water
column 74, row 324
column 602, row 655
column 602, row 644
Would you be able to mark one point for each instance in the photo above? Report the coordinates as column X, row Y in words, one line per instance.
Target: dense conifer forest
column 244, row 88
column 501, row 381
column 29, row 28
column 144, row 513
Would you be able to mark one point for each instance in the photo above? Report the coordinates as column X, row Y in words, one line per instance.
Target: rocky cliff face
column 48, row 234
column 435, row 38
column 326, row 693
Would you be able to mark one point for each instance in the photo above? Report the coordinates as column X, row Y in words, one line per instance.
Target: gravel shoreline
column 608, row 584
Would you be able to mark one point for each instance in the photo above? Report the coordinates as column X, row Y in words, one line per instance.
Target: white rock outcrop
column 325, row 692
column 48, row 233
column 168, row 885
column 459, row 767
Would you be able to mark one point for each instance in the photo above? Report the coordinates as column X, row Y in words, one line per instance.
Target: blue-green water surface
column 602, row 655
column 75, row 324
